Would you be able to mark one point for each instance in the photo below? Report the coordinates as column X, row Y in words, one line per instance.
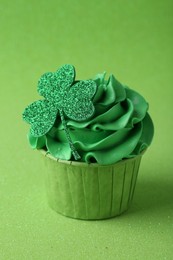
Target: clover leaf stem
column 74, row 152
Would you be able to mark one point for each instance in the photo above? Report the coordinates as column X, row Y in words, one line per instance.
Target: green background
column 131, row 39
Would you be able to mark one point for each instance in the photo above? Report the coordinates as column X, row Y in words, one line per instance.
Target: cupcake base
column 90, row 191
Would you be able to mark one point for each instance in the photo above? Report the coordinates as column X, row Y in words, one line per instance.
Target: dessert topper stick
column 74, row 152
column 63, row 94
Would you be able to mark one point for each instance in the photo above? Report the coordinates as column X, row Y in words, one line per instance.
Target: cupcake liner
column 90, row 191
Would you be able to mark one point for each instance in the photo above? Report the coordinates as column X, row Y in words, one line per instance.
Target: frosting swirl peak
column 119, row 128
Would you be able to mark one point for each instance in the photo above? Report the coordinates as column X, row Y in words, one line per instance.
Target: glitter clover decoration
column 64, row 95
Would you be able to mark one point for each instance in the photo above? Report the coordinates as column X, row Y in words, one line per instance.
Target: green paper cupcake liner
column 90, row 191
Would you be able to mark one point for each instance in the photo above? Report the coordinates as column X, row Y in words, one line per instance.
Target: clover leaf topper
column 64, row 95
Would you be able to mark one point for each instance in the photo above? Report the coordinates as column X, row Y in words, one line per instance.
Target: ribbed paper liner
column 90, row 191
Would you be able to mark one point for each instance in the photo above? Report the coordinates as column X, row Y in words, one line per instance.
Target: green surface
column 133, row 40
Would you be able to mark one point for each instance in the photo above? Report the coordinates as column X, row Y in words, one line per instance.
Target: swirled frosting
column 120, row 127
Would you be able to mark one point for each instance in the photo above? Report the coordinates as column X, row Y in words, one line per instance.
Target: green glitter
column 77, row 104
column 61, row 94
column 53, row 86
column 41, row 115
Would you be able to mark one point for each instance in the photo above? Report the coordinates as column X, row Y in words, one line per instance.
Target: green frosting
column 120, row 127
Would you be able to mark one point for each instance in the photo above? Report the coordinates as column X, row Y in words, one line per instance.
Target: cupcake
column 93, row 134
